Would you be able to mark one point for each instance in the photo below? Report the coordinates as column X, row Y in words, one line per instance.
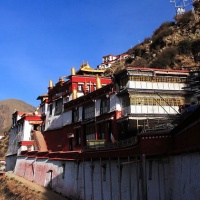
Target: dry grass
column 4, row 146
column 15, row 190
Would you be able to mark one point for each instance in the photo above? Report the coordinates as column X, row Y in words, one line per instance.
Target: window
column 148, row 99
column 58, row 107
column 89, row 112
column 14, row 120
column 80, row 88
column 50, row 109
column 90, row 132
column 105, row 105
column 125, row 101
column 77, row 138
column 75, row 115
column 123, row 82
column 101, row 130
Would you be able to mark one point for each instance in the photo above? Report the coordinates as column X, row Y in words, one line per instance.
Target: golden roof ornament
column 74, row 94
column 50, row 83
column 98, row 82
column 73, row 71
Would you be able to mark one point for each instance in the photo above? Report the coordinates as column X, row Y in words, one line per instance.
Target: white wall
column 114, row 103
column 155, row 85
column 174, row 177
column 67, row 117
column 26, row 133
column 150, row 109
column 54, row 122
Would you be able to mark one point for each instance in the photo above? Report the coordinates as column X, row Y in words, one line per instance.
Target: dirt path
column 46, row 194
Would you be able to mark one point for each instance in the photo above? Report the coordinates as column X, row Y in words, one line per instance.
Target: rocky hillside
column 7, row 107
column 174, row 45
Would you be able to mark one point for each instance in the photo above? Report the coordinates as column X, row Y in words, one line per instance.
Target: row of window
column 90, row 131
column 88, row 111
column 158, row 79
column 123, row 81
column 157, row 101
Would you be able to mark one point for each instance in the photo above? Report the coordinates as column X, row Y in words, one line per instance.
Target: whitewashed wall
column 114, row 103
column 174, row 177
column 66, row 118
column 150, row 109
column 54, row 122
column 26, row 133
column 155, row 85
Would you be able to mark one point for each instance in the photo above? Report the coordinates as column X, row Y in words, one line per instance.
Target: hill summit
column 9, row 106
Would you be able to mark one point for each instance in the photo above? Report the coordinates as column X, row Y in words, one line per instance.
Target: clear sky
column 42, row 39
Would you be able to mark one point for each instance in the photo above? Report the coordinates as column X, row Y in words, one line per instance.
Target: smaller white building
column 108, row 60
column 21, row 132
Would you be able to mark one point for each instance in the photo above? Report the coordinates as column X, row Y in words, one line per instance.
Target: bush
column 147, row 40
column 195, row 47
column 196, row 5
column 157, row 39
column 162, row 27
column 165, row 59
column 141, row 62
column 184, row 19
column 139, row 51
column 129, row 60
column 184, row 47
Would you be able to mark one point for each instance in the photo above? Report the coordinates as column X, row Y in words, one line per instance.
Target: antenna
column 180, row 5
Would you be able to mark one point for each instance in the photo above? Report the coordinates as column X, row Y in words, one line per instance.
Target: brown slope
column 8, row 107
column 173, row 45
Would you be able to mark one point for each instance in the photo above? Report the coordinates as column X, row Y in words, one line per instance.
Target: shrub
column 195, row 47
column 165, row 59
column 157, row 39
column 162, row 27
column 147, row 40
column 196, row 5
column 184, row 47
column 184, row 19
column 129, row 60
column 139, row 51
column 141, row 62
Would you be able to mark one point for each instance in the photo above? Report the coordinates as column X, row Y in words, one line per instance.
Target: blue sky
column 42, row 39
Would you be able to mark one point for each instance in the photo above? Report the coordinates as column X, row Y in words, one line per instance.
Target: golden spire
column 50, row 83
column 98, row 82
column 73, row 71
column 74, row 94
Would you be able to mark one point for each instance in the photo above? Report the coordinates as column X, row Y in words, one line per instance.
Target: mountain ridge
column 173, row 45
column 8, row 107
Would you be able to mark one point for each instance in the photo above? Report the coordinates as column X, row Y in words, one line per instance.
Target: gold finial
column 50, row 83
column 74, row 94
column 98, row 82
column 73, row 71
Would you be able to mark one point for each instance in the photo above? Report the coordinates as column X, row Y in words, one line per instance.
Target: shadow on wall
column 122, row 178
column 93, row 179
